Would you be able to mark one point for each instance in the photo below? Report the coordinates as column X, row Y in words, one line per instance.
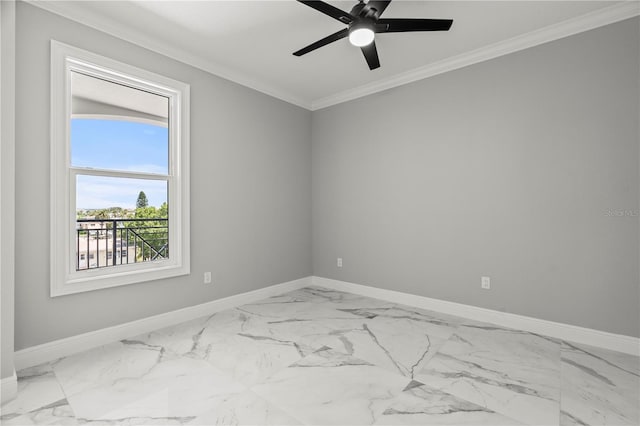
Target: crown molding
column 586, row 22
column 135, row 36
column 598, row 18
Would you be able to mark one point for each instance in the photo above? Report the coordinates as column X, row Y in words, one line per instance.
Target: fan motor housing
column 362, row 23
column 364, row 11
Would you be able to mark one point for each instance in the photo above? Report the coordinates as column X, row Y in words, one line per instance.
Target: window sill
column 154, row 271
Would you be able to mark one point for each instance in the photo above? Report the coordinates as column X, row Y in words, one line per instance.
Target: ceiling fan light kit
column 361, row 34
column 364, row 22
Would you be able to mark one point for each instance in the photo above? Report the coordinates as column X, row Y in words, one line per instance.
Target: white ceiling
column 251, row 42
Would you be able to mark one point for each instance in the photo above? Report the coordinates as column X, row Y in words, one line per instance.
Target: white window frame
column 64, row 277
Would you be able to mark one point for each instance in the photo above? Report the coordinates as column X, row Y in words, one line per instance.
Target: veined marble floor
column 321, row 357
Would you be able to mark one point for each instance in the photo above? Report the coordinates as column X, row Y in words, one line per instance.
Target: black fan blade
column 327, row 9
column 371, row 55
column 403, row 25
column 328, row 39
column 379, row 5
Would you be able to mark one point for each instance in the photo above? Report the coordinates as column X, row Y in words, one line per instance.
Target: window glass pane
column 101, row 192
column 120, row 221
column 119, row 145
column 116, row 127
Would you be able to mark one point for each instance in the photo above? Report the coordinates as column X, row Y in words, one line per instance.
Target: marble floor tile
column 398, row 338
column 178, row 340
column 251, row 357
column 400, row 345
column 238, row 343
column 421, row 405
column 294, row 310
column 332, row 388
column 37, row 388
column 56, row 413
column 317, row 356
column 233, row 321
column 138, row 421
column 430, row 318
column 245, row 408
column 513, row 373
column 227, row 323
column 131, row 380
column 104, row 365
column 306, row 324
column 599, row 387
column 338, row 299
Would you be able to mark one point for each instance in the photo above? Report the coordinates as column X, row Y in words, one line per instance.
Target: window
column 119, row 173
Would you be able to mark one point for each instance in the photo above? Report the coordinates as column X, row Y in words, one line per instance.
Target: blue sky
column 118, row 145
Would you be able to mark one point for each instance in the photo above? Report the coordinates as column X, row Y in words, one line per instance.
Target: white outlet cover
column 485, row 282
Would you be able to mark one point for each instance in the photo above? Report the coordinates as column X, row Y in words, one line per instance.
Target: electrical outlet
column 485, row 283
column 207, row 277
column 339, row 262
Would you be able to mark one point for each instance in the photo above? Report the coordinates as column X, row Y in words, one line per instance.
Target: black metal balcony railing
column 109, row 242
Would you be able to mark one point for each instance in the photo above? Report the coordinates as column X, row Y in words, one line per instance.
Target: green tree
column 163, row 211
column 142, row 200
column 102, row 214
column 151, row 234
column 116, row 212
column 146, row 212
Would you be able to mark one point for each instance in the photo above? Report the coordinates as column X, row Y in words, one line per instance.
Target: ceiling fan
column 363, row 22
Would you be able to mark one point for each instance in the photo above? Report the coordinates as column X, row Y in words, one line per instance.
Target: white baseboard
column 8, row 388
column 50, row 351
column 587, row 336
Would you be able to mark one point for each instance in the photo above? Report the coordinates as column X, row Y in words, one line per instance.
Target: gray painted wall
column 250, row 190
column 7, row 178
column 507, row 168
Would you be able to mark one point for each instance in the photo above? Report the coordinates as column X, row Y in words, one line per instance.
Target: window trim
column 64, row 277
